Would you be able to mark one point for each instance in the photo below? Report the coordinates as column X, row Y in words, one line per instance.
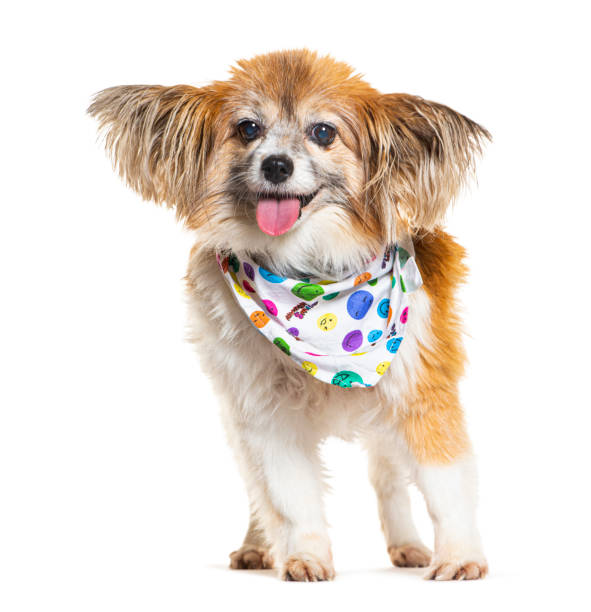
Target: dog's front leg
column 278, row 456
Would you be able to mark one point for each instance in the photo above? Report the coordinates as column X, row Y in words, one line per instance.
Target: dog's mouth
column 277, row 213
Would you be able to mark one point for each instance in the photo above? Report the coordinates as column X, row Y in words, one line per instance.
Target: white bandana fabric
column 344, row 332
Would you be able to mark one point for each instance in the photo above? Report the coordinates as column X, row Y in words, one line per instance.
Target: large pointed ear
column 422, row 152
column 159, row 139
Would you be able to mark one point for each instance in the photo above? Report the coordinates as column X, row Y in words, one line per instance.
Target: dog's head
column 294, row 157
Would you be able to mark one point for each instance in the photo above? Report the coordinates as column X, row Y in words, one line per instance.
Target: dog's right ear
column 159, row 139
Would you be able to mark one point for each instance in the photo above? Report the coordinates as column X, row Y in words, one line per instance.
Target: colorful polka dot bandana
column 344, row 333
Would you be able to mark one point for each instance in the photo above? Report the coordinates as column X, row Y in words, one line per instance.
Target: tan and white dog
column 299, row 163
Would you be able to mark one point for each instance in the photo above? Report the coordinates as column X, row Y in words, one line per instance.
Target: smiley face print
column 362, row 278
column 259, row 318
column 240, row 291
column 383, row 308
column 382, row 367
column 374, row 335
column 394, row 344
column 355, row 331
column 270, row 277
column 359, row 304
column 248, row 286
column 248, row 270
column 310, row 367
column 353, row 340
column 327, row 322
column 270, row 306
column 282, row 345
column 404, row 315
column 306, row 291
column 345, row 378
column 234, row 263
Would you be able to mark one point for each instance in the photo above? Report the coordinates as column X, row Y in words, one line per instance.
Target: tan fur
column 434, row 425
column 416, row 154
column 397, row 162
column 159, row 139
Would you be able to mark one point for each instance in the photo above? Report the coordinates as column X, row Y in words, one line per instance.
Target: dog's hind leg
column 254, row 552
column 389, row 479
column 443, row 467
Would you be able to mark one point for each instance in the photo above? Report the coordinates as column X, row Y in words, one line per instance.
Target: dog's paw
column 249, row 557
column 410, row 555
column 305, row 567
column 449, row 570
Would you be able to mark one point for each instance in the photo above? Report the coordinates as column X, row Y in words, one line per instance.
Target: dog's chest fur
column 261, row 384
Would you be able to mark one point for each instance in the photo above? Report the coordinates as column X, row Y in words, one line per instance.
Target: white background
column 118, row 491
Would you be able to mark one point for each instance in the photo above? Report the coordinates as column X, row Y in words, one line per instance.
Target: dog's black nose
column 277, row 168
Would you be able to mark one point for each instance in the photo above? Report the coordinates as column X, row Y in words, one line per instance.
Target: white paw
column 453, row 570
column 305, row 567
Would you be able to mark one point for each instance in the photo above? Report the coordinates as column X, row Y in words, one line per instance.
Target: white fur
column 276, row 415
column 281, row 139
column 450, row 493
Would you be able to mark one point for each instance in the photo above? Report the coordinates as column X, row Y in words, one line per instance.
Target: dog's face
column 282, row 162
column 293, row 158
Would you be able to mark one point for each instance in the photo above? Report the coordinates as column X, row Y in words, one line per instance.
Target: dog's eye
column 323, row 134
column 248, row 130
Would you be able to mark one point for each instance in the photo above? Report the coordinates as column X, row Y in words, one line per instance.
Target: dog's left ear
column 159, row 139
column 422, row 153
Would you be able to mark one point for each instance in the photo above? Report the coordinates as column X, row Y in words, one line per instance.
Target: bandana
column 343, row 332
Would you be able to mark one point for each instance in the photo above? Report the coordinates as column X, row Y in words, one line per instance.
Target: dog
column 297, row 177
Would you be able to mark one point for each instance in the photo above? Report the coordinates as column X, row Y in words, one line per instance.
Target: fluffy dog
column 297, row 165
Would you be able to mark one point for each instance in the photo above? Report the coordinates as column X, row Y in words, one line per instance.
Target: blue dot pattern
column 345, row 332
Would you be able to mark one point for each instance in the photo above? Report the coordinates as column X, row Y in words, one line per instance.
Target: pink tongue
column 275, row 217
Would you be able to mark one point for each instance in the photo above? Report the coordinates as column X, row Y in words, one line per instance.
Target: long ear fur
column 422, row 154
column 159, row 139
